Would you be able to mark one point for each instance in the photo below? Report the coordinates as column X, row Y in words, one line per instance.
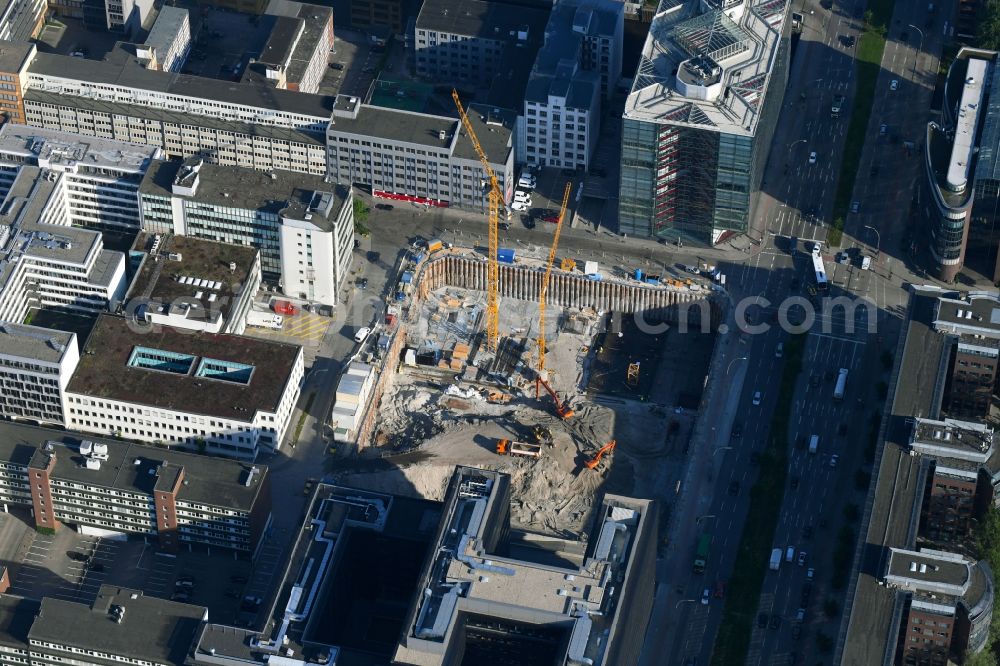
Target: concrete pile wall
column 570, row 290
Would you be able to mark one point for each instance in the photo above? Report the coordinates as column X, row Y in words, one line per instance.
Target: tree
column 824, row 643
column 360, row 217
column 984, row 658
column 862, row 479
column 852, row 512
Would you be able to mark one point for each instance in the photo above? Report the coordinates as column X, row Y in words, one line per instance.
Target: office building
column 112, row 489
column 169, row 41
column 15, row 56
column 224, row 394
column 579, row 66
column 971, row 327
column 446, row 590
column 227, row 123
column 22, row 20
column 296, row 54
column 16, row 616
column 192, row 284
column 921, row 509
column 698, row 122
column 960, row 451
column 469, row 41
column 950, row 604
column 946, row 197
column 46, row 263
column 418, row 157
column 303, row 225
column 119, row 626
column 99, row 178
column 471, row 595
column 35, row 367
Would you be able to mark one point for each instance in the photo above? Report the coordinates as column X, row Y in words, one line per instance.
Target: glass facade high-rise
column 698, row 123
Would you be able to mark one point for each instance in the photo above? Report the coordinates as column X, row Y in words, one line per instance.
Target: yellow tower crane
column 545, row 280
column 495, row 199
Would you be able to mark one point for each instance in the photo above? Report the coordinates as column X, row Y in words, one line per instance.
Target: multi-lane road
column 796, row 202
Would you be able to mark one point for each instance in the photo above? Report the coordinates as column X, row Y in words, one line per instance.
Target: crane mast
column 545, row 280
column 495, row 201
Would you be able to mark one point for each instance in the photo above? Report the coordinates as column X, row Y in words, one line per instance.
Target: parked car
column 362, row 334
column 894, row 84
column 802, row 558
column 339, row 66
column 519, row 206
column 76, row 556
column 855, row 206
column 383, row 206
column 180, row 595
column 363, row 283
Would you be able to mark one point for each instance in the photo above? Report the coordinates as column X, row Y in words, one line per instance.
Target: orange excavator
column 596, row 460
column 562, row 409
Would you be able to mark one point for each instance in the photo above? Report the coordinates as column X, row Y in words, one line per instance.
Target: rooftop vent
column 913, row 566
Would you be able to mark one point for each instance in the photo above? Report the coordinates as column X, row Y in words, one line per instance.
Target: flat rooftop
column 58, row 100
column 966, row 124
column 163, row 281
column 973, row 314
column 468, row 579
column 233, row 187
column 209, row 480
column 16, row 616
column 894, row 516
column 105, row 371
column 928, row 571
column 32, row 342
column 151, row 629
column 478, row 18
column 169, row 22
column 493, row 126
column 972, row 442
column 743, row 47
column 124, row 69
column 57, row 149
column 13, row 55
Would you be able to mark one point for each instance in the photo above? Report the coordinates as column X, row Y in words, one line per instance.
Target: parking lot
column 72, row 566
column 546, row 198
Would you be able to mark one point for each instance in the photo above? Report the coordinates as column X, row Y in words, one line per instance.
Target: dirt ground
column 430, row 421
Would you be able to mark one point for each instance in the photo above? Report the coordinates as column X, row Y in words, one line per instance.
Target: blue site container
column 407, row 277
column 638, row 274
column 505, row 255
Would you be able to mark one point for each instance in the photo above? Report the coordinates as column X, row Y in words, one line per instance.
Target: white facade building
column 35, row 367
column 99, row 178
column 234, row 125
column 224, row 394
column 303, row 226
column 351, row 402
column 169, row 41
column 45, row 262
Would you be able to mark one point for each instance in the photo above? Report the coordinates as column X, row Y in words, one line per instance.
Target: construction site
column 573, row 380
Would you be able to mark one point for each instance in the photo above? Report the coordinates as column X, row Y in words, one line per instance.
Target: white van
column 866, row 263
column 790, row 554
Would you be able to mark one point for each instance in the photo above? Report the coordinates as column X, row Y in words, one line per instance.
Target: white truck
column 265, row 319
column 838, row 390
column 775, row 559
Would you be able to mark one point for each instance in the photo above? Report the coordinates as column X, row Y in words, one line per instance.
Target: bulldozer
column 542, row 435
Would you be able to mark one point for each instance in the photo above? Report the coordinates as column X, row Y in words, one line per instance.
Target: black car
column 95, row 567
column 384, row 206
column 775, row 621
column 762, row 620
column 76, row 556
column 737, row 429
column 357, row 244
column 337, row 66
column 734, row 487
column 363, row 283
